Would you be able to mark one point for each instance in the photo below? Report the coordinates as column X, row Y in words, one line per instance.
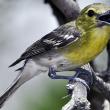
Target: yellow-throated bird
column 65, row 48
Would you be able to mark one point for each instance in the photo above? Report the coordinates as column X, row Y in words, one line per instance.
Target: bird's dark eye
column 91, row 13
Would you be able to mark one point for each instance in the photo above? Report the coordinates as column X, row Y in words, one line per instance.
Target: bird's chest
column 90, row 48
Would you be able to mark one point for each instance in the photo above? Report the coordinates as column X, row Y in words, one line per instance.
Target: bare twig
column 108, row 50
column 78, row 99
column 69, row 8
column 64, row 10
column 102, row 87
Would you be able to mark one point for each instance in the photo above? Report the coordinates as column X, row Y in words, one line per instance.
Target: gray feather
column 15, row 85
column 60, row 37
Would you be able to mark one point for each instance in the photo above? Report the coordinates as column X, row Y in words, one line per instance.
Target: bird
column 66, row 48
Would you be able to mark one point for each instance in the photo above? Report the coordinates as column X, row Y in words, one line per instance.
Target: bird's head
column 95, row 15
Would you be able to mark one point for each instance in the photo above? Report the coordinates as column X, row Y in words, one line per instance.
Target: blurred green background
column 21, row 23
column 51, row 97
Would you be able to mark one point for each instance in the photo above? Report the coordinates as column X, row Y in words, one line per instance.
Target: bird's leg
column 52, row 74
column 81, row 75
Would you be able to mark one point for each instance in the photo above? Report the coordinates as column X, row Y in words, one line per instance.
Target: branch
column 102, row 87
column 99, row 84
column 78, row 99
column 69, row 8
column 108, row 50
column 64, row 10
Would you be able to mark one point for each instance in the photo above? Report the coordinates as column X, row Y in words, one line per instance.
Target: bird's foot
column 83, row 76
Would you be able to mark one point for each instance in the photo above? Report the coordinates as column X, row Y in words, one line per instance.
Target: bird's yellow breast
column 88, row 46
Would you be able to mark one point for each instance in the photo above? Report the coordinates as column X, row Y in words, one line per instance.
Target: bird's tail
column 13, row 87
column 28, row 71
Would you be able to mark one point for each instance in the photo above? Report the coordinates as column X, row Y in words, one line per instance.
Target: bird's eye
column 91, row 13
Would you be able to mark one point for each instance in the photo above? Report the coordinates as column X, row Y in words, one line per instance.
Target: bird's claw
column 83, row 76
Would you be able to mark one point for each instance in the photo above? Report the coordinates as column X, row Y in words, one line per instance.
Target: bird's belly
column 54, row 59
column 83, row 55
column 87, row 51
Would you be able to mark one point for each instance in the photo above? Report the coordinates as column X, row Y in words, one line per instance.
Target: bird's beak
column 105, row 17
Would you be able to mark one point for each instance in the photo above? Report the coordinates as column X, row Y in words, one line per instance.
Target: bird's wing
column 58, row 38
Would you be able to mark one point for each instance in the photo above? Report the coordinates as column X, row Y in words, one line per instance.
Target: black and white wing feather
column 58, row 38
